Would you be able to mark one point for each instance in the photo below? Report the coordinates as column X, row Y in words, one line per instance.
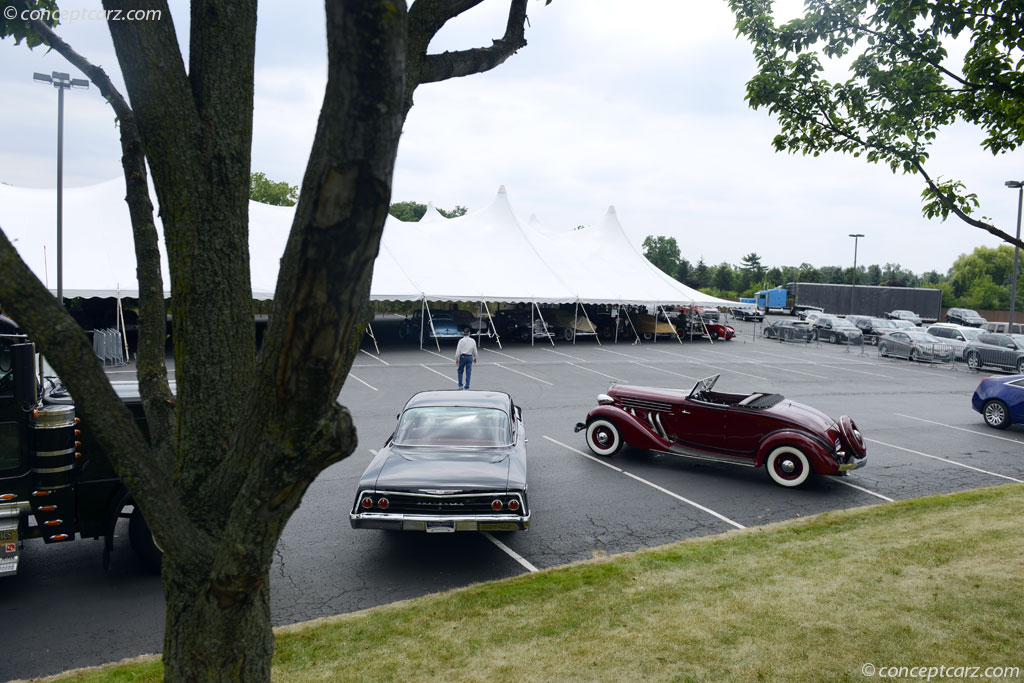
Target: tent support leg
column 617, row 311
column 432, row 330
column 369, row 331
column 497, row 338
column 479, row 315
column 575, row 319
column 551, row 337
column 124, row 330
column 423, row 319
column 597, row 335
column 674, row 330
column 636, row 334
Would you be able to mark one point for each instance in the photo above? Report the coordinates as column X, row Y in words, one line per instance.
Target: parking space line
column 617, row 379
column 951, row 462
column 550, row 384
column 863, row 372
column 438, row 373
column 708, row 365
column 511, row 553
column 361, row 381
column 374, row 357
column 582, row 360
column 617, row 353
column 651, row 484
column 799, row 372
column 861, row 488
column 506, row 355
column 435, row 353
column 651, row 367
column 962, row 429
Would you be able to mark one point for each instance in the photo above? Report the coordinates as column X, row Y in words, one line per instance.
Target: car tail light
column 497, row 505
column 366, row 503
column 513, row 505
column 383, row 503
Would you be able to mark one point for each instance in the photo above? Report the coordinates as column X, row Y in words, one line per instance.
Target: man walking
column 465, row 356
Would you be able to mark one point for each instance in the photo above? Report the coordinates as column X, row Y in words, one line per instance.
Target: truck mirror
column 24, row 356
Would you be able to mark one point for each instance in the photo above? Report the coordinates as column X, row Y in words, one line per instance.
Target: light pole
column 1019, row 186
column 856, row 236
column 62, row 82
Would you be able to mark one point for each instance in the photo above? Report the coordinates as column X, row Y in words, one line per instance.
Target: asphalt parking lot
column 923, row 438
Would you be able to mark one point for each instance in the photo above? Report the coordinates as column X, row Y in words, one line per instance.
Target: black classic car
column 789, row 330
column 455, row 462
column 789, row 439
column 964, row 316
column 747, row 312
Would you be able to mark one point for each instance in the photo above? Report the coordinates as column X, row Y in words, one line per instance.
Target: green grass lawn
column 926, row 582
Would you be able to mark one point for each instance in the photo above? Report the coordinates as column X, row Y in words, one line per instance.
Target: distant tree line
column 980, row 280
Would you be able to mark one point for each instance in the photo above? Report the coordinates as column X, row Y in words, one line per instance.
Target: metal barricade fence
column 108, row 347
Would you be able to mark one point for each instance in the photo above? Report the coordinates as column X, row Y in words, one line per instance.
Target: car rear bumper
column 438, row 523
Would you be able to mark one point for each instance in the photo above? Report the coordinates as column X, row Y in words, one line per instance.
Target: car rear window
column 467, row 426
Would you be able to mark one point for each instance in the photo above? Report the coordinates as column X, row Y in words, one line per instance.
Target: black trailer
column 864, row 299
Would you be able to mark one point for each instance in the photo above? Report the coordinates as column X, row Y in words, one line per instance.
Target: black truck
column 55, row 482
column 864, row 299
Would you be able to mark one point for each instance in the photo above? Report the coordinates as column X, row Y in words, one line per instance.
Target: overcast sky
column 636, row 105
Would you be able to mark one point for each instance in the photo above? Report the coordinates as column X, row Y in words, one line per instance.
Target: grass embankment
column 930, row 581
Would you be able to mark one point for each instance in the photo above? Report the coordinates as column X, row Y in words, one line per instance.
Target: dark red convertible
column 789, row 439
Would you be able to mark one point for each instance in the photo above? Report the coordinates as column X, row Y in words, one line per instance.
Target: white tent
column 485, row 255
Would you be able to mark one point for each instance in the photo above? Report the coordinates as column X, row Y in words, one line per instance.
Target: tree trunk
column 216, row 632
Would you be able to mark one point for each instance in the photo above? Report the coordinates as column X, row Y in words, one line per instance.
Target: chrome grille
column 646, row 404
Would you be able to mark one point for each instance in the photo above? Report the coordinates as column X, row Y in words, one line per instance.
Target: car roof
column 455, row 397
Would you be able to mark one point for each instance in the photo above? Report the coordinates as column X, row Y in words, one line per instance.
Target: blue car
column 1000, row 400
column 444, row 326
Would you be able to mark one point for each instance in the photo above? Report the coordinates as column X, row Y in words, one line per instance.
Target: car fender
column 822, row 462
column 635, row 432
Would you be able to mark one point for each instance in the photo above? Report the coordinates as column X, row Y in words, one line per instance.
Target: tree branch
column 157, row 400
column 447, row 65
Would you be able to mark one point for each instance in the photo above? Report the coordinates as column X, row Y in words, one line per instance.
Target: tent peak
column 611, row 209
column 502, row 190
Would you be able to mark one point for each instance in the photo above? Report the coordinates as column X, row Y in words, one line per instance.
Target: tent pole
column 432, row 330
column 369, row 331
column 124, row 330
column 423, row 320
column 637, row 334
column 575, row 319
column 551, row 337
column 597, row 335
column 497, row 338
column 617, row 312
column 479, row 315
column 704, row 325
column 674, row 330
column 533, row 305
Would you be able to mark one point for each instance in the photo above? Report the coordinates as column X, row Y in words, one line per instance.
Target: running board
column 683, row 452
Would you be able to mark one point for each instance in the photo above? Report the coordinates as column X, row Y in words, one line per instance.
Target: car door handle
column 685, row 412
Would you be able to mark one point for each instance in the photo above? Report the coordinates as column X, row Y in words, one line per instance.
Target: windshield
column 970, row 333
column 923, row 336
column 468, row 426
column 879, row 323
column 704, row 385
column 843, row 322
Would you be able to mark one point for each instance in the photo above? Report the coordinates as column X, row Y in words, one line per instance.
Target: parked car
column 789, row 439
column 438, row 325
column 692, row 326
column 964, row 316
column 455, row 462
column 647, row 326
column 789, row 330
column 747, row 312
column 871, row 328
column 610, row 328
column 707, row 313
column 477, row 325
column 1003, row 328
column 518, row 323
column 915, row 345
column 1000, row 400
column 837, row 330
column 1004, row 351
column 568, row 324
column 956, row 336
column 901, row 314
column 810, row 315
